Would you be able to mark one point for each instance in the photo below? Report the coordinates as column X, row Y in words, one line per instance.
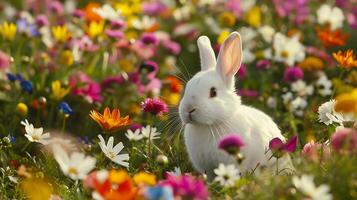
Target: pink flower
column 83, row 85
column 56, row 7
column 4, row 61
column 172, row 47
column 277, row 146
column 231, row 143
column 154, row 106
column 292, row 74
column 313, row 151
column 142, row 50
column 344, row 138
column 186, row 187
column 116, row 34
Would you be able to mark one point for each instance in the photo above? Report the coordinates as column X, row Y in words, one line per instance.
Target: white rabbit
column 210, row 108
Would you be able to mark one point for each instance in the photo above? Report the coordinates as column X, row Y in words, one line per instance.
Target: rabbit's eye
column 212, row 92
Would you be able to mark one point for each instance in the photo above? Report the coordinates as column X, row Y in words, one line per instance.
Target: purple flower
column 78, row 13
column 277, row 146
column 117, row 34
column 263, row 64
column 118, row 23
column 154, row 106
column 24, row 27
column 149, row 38
column 292, row 74
column 231, row 143
column 352, row 18
column 186, row 187
column 56, row 7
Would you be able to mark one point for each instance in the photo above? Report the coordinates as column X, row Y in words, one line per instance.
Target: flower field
column 131, row 100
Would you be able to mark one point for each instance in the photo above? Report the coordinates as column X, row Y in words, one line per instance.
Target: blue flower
column 11, row 77
column 26, row 86
column 11, row 138
column 65, row 108
column 159, row 193
column 23, row 26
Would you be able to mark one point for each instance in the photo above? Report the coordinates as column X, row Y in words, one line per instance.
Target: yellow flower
column 110, row 121
column 311, row 63
column 61, row 33
column 95, row 28
column 347, row 102
column 66, row 58
column 143, row 178
column 128, row 8
column 222, row 36
column 118, row 176
column 8, row 30
column 36, row 189
column 227, row 19
column 253, row 16
column 126, row 65
column 57, row 91
column 21, row 109
column 170, row 97
column 131, row 34
column 346, row 59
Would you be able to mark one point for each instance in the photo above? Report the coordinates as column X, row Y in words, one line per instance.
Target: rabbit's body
column 210, row 108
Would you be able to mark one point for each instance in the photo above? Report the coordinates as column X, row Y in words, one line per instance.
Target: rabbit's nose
column 192, row 110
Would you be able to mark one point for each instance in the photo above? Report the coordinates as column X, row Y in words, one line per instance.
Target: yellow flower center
column 284, row 54
column 73, row 170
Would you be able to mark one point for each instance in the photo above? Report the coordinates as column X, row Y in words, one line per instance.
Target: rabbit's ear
column 230, row 57
column 207, row 57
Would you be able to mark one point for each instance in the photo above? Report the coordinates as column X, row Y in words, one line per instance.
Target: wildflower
column 223, row 36
column 11, row 77
column 253, row 16
column 227, row 175
column 307, row 186
column 5, row 60
column 159, row 192
column 8, row 30
column 83, row 85
column 277, row 146
column 76, row 165
column 324, row 86
column 113, row 152
column 333, row 17
column 186, row 187
column 331, row 38
column 60, row 33
column 227, row 19
column 154, row 106
column 43, row 188
column 143, row 178
column 35, row 134
column 150, row 133
column 292, row 74
column 347, row 102
column 110, row 121
column 313, row 151
column 56, row 7
column 296, row 10
column 66, row 58
column 21, row 109
column 57, row 91
column 301, row 88
column 134, row 135
column 263, row 64
column 149, row 38
column 231, row 143
column 65, row 108
column 29, row 29
column 42, row 20
column 288, row 50
column 26, row 86
column 95, row 28
column 311, row 63
column 267, row 32
column 344, row 138
column 327, row 113
column 107, row 12
column 346, row 59
column 162, row 159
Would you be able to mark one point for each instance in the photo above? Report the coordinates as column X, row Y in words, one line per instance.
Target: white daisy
column 272, row 102
column 301, row 88
column 332, row 16
column 107, row 12
column 327, row 113
column 113, row 152
column 307, row 186
column 298, row 106
column 144, row 23
column 287, row 97
column 134, row 136
column 35, row 134
column 76, row 165
column 150, row 132
column 227, row 175
column 288, row 50
column 324, row 86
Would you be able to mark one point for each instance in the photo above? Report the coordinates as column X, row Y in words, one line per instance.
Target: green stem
column 63, row 123
column 26, row 146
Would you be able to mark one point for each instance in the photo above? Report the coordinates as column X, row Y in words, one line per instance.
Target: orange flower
column 175, row 84
column 90, row 15
column 331, row 38
column 109, row 121
column 346, row 59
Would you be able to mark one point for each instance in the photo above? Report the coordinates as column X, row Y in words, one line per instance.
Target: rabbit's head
column 210, row 97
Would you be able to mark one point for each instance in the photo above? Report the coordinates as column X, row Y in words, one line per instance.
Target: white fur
column 223, row 114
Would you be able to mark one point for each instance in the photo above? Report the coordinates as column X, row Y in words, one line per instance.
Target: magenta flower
column 118, row 23
column 248, row 93
column 116, row 34
column 153, row 8
column 173, row 47
column 149, row 38
column 344, row 138
column 292, row 74
column 154, row 106
column 112, row 80
column 42, row 20
column 277, row 146
column 295, row 10
column 242, row 72
column 263, row 64
column 231, row 143
column 56, row 7
column 4, row 60
column 186, row 187
column 83, row 85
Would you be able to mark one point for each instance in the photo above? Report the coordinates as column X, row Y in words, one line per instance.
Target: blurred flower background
column 78, row 75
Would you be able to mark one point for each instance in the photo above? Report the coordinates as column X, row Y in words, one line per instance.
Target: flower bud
column 21, row 109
